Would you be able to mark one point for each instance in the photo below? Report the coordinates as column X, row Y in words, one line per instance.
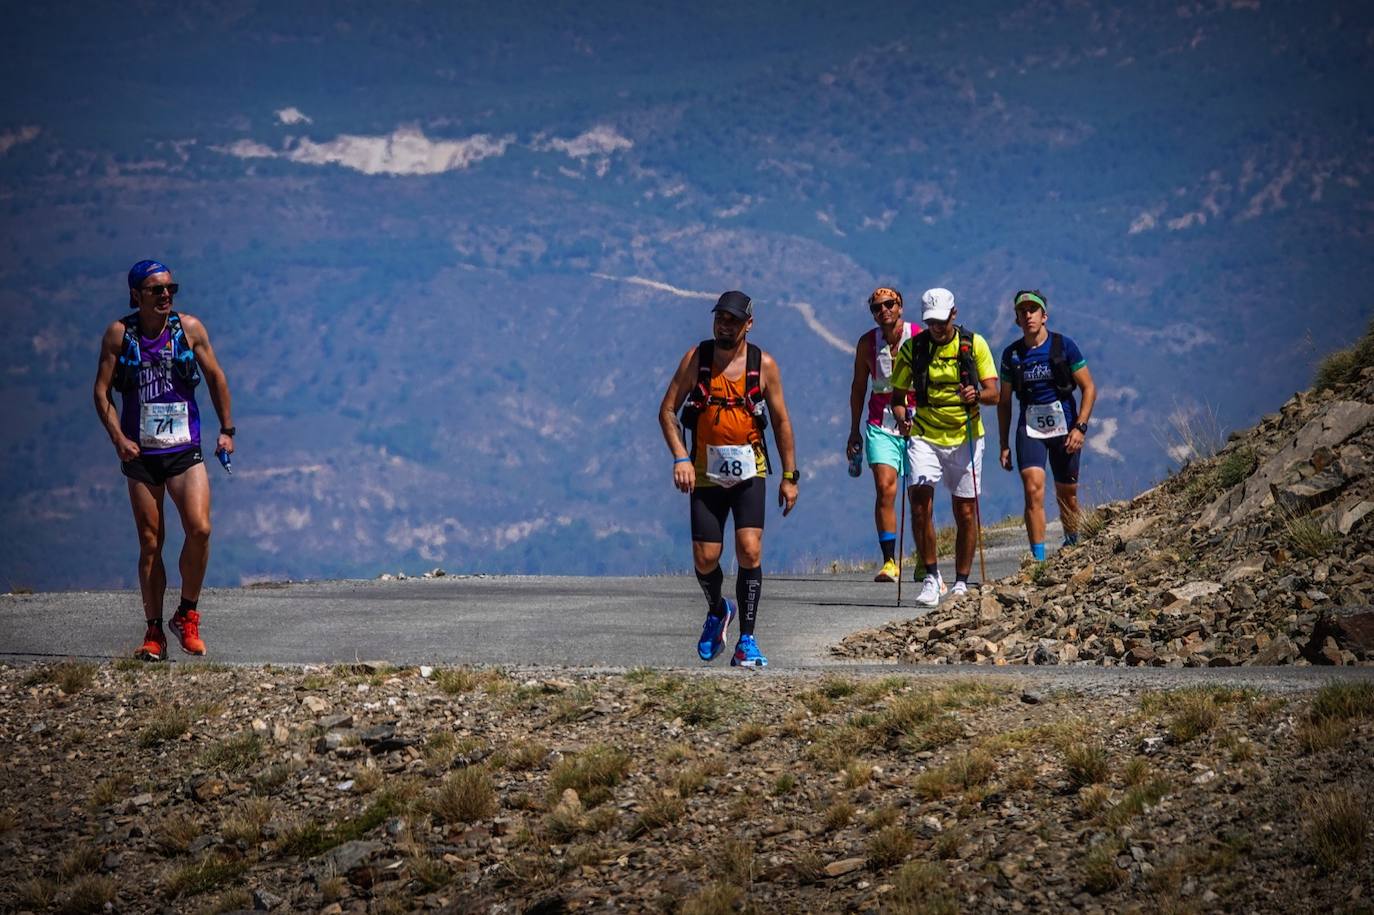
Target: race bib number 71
column 163, row 425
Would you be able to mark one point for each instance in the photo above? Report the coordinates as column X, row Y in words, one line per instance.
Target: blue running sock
column 887, row 542
column 1071, row 540
column 1038, row 551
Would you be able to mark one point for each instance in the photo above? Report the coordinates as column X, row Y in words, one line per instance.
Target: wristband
column 682, row 460
column 230, row 431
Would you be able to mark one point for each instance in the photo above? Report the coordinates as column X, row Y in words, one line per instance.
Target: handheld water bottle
column 856, row 463
column 224, row 461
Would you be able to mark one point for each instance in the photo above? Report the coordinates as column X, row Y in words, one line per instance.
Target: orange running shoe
column 154, row 647
column 186, row 625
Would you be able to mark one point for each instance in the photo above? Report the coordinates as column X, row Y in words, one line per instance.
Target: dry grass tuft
column 1136, row 771
column 87, row 894
column 661, row 811
column 591, row 773
column 429, row 873
column 717, row 898
column 889, row 846
column 857, row 774
column 83, row 859
column 1093, row 799
column 948, row 843
column 36, row 893
column 922, row 888
column 1335, row 825
column 245, row 823
column 838, row 815
column 465, row 796
column 201, row 876
column 748, row 733
column 1100, row 873
column 168, row 723
column 367, row 778
column 1086, row 764
column 235, row 755
column 523, row 756
column 175, row 832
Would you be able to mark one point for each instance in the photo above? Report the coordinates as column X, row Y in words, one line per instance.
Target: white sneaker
column 931, row 589
column 960, row 587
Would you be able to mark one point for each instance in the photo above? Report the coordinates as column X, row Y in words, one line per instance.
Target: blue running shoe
column 747, row 653
column 712, row 641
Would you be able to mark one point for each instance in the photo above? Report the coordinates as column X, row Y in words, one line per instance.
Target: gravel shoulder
column 366, row 788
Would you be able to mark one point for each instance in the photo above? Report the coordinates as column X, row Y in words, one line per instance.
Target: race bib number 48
column 1046, row 420
column 163, row 425
column 727, row 465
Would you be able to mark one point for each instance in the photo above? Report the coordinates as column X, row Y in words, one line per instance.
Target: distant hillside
column 442, row 281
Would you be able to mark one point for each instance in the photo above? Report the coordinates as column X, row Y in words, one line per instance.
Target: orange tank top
column 727, row 425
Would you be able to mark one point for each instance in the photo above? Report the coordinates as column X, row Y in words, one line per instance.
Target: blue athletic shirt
column 1039, row 379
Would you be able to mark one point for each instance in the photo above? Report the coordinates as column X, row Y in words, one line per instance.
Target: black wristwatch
column 793, row 475
column 1081, row 427
column 230, row 431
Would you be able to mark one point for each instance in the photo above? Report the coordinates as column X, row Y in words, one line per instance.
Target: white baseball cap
column 938, row 303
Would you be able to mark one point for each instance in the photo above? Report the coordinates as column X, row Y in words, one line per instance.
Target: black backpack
column 923, row 351
column 699, row 398
column 131, row 358
column 1060, row 372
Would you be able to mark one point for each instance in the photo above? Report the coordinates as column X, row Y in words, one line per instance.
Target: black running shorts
column 712, row 505
column 1032, row 452
column 157, row 469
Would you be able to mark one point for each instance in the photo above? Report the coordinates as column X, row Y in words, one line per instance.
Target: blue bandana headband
column 144, row 269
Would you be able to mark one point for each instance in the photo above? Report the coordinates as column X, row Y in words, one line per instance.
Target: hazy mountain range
column 449, row 254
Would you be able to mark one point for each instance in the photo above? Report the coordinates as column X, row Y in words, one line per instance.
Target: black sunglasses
column 881, row 306
column 169, row 288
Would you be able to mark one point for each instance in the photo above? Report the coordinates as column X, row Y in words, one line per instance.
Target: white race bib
column 163, row 425
column 1046, row 420
column 727, row 465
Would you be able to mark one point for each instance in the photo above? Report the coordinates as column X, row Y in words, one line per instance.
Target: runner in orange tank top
column 722, row 385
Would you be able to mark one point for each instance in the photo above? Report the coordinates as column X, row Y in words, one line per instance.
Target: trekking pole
column 977, row 511
column 901, row 527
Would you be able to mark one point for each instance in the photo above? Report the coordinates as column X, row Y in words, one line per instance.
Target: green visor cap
column 1030, row 297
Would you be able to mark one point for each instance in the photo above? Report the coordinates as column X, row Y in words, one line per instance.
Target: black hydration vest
column 1060, row 372
column 699, row 398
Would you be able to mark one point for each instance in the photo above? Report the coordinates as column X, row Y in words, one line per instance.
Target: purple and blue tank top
column 165, row 429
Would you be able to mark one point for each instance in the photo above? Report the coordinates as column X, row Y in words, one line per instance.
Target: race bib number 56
column 163, row 425
column 727, row 465
column 1046, row 420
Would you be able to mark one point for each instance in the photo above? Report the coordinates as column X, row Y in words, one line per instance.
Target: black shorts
column 157, row 469
column 711, row 505
column 1031, row 452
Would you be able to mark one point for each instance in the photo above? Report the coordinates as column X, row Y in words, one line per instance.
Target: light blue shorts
column 882, row 447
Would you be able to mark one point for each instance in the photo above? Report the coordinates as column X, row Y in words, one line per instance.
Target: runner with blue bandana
column 155, row 357
column 1045, row 369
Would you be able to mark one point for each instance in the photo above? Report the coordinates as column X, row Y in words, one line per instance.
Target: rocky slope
column 363, row 789
column 1261, row 554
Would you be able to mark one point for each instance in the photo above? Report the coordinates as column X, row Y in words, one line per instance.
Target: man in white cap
column 949, row 372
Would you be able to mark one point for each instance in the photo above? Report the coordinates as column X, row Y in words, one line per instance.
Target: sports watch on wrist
column 230, row 431
column 793, row 475
column 1081, row 427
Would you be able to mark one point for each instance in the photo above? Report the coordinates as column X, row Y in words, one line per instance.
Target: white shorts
column 932, row 463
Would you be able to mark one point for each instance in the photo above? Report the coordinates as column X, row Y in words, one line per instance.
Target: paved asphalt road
column 530, row 622
column 518, row 620
column 526, row 621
